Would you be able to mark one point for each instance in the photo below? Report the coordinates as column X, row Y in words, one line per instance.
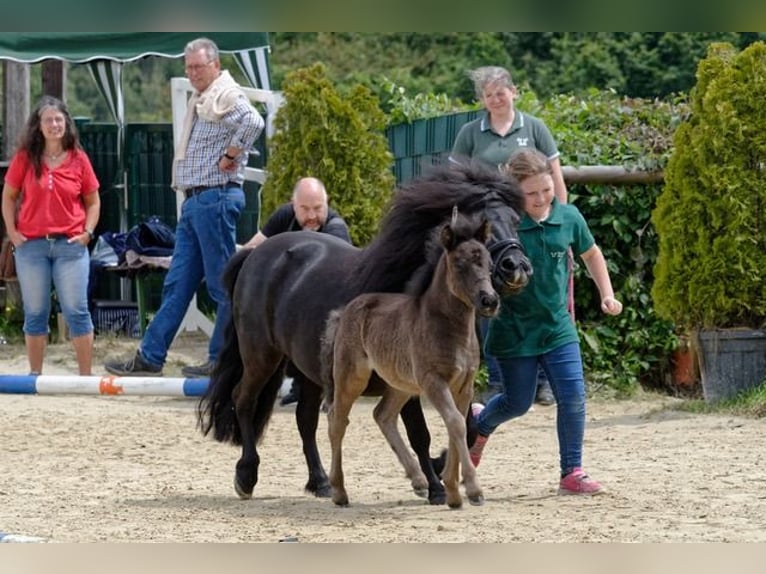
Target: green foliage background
column 712, row 214
column 634, row 64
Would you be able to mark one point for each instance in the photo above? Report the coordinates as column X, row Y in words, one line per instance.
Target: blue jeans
column 205, row 240
column 563, row 366
column 40, row 261
column 495, row 376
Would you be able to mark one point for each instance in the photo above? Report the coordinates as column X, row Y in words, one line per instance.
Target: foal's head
column 468, row 263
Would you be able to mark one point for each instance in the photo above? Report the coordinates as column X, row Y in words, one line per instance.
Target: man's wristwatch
column 89, row 232
column 227, row 156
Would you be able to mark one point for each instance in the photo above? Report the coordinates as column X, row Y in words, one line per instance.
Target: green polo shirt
column 477, row 140
column 536, row 320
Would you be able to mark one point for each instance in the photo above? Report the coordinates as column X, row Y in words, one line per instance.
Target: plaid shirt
column 208, row 141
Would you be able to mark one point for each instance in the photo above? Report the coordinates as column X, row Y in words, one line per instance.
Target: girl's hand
column 611, row 306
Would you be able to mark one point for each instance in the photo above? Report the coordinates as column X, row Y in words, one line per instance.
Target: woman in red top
column 50, row 207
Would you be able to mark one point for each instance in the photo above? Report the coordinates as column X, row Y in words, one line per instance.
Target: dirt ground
column 137, row 469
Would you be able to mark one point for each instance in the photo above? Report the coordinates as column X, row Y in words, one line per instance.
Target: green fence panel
column 100, row 143
column 149, row 162
column 423, row 143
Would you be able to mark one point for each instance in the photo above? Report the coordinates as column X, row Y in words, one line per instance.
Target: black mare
column 283, row 292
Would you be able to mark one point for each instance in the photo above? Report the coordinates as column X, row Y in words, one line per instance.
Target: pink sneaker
column 478, row 446
column 577, row 482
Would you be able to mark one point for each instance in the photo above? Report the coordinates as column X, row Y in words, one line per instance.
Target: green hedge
column 711, row 217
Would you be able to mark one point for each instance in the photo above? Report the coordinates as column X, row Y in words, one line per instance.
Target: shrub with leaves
column 405, row 108
column 711, row 216
column 337, row 138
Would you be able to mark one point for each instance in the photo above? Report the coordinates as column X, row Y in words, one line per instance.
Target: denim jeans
column 495, row 376
column 205, row 239
column 563, row 366
column 40, row 261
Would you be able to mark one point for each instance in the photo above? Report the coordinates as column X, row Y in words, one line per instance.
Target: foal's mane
column 416, row 209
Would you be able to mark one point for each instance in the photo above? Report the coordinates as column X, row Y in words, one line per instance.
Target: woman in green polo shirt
column 492, row 139
column 534, row 327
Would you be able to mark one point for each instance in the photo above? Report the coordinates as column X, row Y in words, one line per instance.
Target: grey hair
column 211, row 50
column 487, row 75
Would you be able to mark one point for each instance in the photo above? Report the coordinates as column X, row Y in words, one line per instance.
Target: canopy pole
column 53, row 75
column 15, row 104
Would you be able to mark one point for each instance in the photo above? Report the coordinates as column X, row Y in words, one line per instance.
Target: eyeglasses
column 198, row 67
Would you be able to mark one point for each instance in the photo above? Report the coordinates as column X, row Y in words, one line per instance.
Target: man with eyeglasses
column 209, row 166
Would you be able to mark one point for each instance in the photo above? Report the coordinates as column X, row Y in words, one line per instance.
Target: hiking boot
column 478, row 446
column 199, row 372
column 577, row 482
column 544, row 395
column 135, row 367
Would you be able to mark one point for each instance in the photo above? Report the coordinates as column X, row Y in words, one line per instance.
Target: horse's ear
column 447, row 236
column 484, row 232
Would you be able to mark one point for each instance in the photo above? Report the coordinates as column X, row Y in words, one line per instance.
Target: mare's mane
column 399, row 249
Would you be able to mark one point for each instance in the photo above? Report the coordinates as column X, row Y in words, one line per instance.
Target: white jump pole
column 106, row 385
column 5, row 537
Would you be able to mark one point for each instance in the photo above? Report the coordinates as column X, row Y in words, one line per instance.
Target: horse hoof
column 455, row 504
column 243, row 494
column 340, row 500
column 323, row 492
column 420, row 492
column 477, row 500
column 437, row 499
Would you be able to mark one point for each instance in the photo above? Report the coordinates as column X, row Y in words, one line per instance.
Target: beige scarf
column 211, row 105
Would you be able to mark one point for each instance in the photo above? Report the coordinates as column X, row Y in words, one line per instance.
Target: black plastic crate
column 116, row 318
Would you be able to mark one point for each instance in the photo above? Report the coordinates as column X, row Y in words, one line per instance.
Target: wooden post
column 53, row 79
column 15, row 104
column 609, row 174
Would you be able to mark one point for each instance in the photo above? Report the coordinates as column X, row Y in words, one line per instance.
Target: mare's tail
column 326, row 352
column 215, row 410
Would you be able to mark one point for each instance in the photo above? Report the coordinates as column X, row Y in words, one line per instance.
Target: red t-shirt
column 52, row 203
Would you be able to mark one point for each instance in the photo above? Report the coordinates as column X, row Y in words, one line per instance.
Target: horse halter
column 498, row 252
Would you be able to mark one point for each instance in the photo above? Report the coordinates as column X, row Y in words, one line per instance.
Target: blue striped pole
column 106, row 385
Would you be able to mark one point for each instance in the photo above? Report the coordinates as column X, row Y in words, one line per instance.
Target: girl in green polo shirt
column 534, row 327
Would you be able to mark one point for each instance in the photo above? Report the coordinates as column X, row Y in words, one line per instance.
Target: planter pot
column 684, row 366
column 731, row 361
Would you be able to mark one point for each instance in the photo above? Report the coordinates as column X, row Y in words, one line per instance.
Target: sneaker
column 544, row 395
column 199, row 372
column 577, row 482
column 478, row 446
column 135, row 367
column 291, row 397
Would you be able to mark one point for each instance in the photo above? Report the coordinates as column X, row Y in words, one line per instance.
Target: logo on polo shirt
column 558, row 254
column 522, row 142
